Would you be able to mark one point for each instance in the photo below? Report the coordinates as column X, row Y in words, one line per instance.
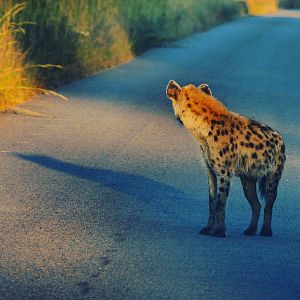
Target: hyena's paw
column 250, row 231
column 219, row 232
column 266, row 231
column 206, row 230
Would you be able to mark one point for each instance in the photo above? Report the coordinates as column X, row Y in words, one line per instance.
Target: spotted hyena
column 231, row 145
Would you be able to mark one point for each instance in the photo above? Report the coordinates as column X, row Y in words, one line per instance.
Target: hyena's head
column 179, row 95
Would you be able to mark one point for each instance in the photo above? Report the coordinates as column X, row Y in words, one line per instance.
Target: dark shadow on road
column 158, row 196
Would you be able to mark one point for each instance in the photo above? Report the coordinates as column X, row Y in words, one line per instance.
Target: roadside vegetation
column 261, row 7
column 13, row 75
column 16, row 83
column 290, row 4
column 87, row 36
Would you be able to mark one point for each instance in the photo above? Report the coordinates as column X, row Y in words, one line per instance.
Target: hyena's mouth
column 179, row 120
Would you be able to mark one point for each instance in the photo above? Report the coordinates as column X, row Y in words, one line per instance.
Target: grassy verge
column 87, row 36
column 16, row 82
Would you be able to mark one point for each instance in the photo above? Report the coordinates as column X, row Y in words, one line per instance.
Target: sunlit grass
column 14, row 80
column 16, row 85
column 261, row 7
column 88, row 36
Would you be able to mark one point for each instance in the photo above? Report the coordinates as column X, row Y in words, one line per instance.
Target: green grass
column 85, row 36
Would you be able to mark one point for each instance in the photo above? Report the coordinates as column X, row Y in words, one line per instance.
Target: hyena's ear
column 173, row 90
column 205, row 88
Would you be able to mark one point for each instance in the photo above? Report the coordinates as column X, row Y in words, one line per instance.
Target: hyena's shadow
column 158, row 196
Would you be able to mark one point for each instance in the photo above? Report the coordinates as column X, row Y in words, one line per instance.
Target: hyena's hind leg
column 269, row 188
column 249, row 187
column 212, row 185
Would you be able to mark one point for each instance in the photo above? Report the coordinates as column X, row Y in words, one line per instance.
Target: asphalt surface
column 104, row 198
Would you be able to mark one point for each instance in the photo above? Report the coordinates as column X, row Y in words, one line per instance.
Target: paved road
column 104, row 198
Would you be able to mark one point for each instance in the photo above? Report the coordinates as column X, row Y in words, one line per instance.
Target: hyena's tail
column 262, row 186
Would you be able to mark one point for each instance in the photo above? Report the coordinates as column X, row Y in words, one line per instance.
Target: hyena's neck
column 201, row 115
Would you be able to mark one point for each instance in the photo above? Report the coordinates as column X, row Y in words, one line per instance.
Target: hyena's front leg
column 223, row 185
column 212, row 185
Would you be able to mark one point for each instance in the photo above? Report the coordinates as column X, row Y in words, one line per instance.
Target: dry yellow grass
column 262, row 7
column 16, row 86
column 14, row 81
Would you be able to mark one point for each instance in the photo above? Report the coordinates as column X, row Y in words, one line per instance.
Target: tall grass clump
column 87, row 36
column 82, row 36
column 16, row 83
column 14, row 80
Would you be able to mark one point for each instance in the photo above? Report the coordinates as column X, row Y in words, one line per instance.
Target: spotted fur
column 232, row 145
